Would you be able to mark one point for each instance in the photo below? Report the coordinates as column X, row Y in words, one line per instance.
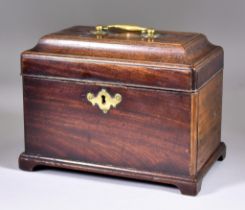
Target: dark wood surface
column 167, row 127
column 172, row 60
column 171, row 47
column 187, row 186
column 142, row 132
column 102, row 70
column 209, row 119
column 149, row 142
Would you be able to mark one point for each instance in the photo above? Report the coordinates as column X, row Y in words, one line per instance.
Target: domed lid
column 184, row 54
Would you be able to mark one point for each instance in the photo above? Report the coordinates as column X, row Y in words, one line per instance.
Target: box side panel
column 148, row 131
column 209, row 118
column 193, row 133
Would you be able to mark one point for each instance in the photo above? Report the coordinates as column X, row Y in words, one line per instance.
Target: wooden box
column 124, row 101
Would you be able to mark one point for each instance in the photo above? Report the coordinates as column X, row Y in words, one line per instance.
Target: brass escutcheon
column 104, row 100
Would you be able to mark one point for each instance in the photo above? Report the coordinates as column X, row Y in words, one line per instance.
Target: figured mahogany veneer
column 166, row 128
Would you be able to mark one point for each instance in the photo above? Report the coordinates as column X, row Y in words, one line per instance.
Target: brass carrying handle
column 149, row 32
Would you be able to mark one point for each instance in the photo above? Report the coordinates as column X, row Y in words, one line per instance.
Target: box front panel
column 149, row 130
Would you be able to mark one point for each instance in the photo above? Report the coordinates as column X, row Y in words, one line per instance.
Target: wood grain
column 169, row 47
column 172, row 60
column 143, row 132
column 209, row 119
column 187, row 185
column 166, row 128
column 101, row 70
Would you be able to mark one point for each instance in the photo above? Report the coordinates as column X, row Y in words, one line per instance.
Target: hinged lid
column 175, row 60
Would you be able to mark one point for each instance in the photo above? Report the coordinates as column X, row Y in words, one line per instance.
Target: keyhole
column 103, row 99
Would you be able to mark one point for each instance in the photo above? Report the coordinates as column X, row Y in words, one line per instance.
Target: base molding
column 187, row 185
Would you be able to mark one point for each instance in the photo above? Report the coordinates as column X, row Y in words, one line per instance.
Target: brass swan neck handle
column 148, row 32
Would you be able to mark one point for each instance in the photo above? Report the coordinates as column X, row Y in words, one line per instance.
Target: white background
column 21, row 25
